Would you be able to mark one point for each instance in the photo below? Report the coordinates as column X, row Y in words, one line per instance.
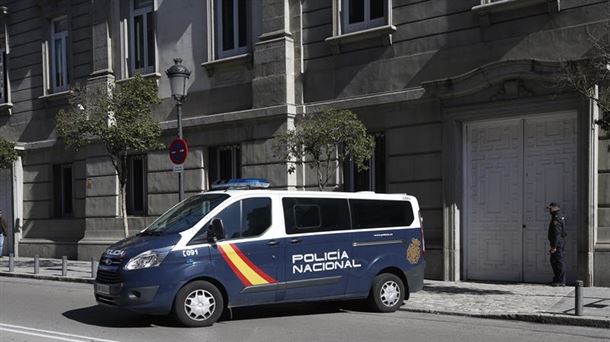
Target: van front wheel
column 387, row 293
column 198, row 304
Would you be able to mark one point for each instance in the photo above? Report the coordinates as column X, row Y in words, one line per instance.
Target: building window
column 59, row 55
column 5, row 87
column 372, row 179
column 231, row 27
column 136, row 185
column 142, row 37
column 4, row 92
column 224, row 163
column 363, row 14
column 62, row 190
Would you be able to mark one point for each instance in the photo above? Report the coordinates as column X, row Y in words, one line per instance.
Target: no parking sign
column 178, row 150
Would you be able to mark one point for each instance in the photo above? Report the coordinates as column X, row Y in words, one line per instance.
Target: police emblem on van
column 413, row 252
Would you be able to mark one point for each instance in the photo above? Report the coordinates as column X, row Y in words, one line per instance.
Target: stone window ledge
column 6, row 108
column 211, row 66
column 384, row 33
column 59, row 96
column 485, row 9
column 154, row 75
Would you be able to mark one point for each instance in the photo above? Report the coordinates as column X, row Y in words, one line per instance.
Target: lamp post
column 178, row 76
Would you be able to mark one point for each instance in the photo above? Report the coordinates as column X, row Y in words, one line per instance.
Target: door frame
column 17, row 183
column 9, row 210
column 465, row 163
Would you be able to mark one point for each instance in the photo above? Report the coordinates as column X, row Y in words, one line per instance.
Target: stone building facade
column 461, row 96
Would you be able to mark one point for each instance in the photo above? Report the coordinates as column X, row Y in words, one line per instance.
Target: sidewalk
column 524, row 302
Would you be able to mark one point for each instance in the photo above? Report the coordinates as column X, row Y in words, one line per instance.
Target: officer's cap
column 553, row 206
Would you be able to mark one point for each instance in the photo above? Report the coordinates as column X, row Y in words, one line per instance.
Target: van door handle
column 295, row 240
column 272, row 242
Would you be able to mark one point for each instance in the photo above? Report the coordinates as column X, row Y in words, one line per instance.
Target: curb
column 47, row 277
column 591, row 322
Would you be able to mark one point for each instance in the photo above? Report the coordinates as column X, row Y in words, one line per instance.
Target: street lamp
column 178, row 76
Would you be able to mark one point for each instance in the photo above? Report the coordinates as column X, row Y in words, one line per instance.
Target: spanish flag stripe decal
column 253, row 266
column 241, row 265
column 235, row 270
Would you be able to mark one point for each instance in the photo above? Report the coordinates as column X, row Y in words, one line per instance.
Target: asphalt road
column 34, row 310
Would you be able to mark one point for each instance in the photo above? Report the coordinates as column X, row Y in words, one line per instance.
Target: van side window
column 246, row 218
column 256, row 216
column 309, row 215
column 230, row 217
column 378, row 214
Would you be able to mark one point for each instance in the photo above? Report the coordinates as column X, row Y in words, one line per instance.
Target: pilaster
column 274, row 80
column 101, row 11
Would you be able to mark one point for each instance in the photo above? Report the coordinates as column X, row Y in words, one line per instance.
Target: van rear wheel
column 387, row 293
column 198, row 304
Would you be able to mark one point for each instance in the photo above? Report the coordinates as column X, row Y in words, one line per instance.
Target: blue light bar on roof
column 240, row 183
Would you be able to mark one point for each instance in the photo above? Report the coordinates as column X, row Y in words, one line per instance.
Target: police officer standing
column 557, row 236
column 3, row 232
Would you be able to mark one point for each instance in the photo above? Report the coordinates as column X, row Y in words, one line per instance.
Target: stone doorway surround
column 504, row 90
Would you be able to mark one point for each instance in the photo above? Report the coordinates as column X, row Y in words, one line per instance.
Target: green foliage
column 7, row 154
column 119, row 117
column 324, row 141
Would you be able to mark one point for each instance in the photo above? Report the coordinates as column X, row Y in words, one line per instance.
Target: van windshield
column 185, row 215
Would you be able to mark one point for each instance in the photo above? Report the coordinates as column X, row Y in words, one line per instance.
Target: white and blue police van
column 232, row 247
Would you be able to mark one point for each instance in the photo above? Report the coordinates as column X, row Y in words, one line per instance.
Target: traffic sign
column 178, row 150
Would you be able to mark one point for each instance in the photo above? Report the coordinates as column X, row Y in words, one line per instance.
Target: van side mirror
column 216, row 231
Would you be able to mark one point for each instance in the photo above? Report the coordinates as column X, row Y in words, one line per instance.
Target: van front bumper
column 116, row 295
column 139, row 291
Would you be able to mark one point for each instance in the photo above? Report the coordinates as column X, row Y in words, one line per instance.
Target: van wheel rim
column 199, row 305
column 390, row 293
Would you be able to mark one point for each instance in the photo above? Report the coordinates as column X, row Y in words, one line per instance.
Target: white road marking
column 49, row 334
column 40, row 335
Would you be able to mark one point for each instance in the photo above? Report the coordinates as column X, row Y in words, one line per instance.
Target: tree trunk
column 124, row 209
column 123, row 171
column 319, row 174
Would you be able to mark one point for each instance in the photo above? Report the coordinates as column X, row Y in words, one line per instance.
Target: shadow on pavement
column 287, row 310
column 116, row 318
column 463, row 290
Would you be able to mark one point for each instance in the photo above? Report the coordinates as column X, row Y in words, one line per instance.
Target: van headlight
column 152, row 258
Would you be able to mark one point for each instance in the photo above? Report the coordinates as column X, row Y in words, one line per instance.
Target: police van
column 232, row 247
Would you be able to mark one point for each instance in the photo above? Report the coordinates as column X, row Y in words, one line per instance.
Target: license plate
column 102, row 289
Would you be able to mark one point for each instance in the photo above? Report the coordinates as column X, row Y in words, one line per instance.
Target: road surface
column 35, row 310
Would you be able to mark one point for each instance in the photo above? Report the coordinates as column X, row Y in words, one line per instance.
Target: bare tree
column 590, row 76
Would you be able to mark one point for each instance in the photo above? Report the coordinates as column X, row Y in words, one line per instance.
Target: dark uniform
column 3, row 233
column 557, row 236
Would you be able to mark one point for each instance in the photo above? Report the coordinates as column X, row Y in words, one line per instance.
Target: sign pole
column 178, row 76
column 180, row 174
